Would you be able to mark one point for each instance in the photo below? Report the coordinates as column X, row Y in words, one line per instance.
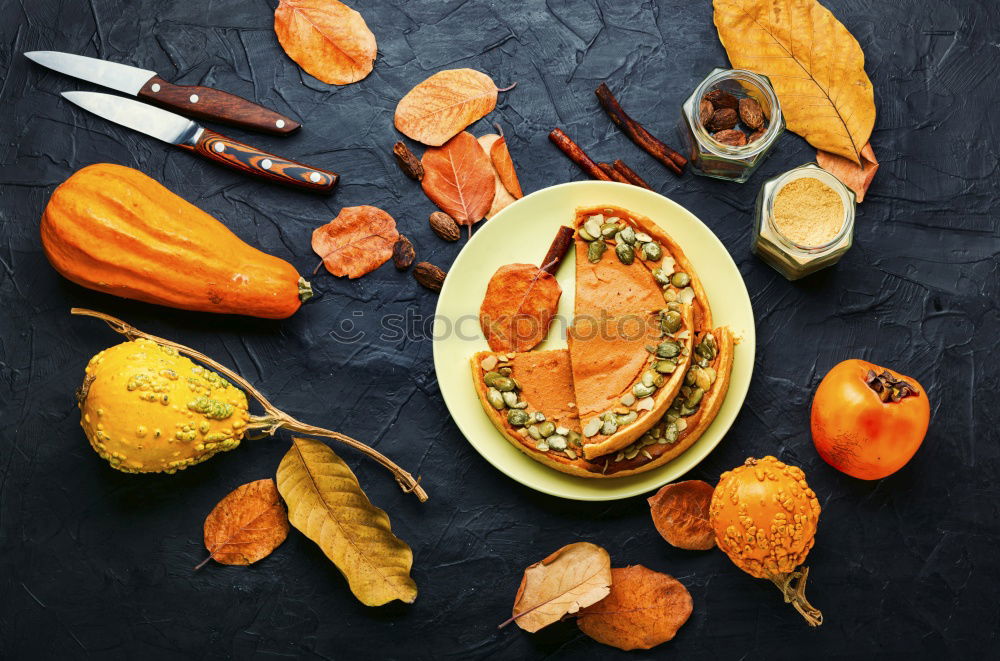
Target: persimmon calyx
column 888, row 387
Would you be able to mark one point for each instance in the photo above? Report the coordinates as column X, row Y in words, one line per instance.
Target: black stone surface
column 94, row 563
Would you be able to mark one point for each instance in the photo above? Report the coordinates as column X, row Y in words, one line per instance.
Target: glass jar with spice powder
column 804, row 221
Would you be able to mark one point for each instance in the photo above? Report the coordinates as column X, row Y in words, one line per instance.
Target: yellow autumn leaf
column 440, row 107
column 326, row 503
column 816, row 66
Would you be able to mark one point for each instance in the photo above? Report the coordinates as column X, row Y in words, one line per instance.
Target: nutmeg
column 445, row 226
column 722, row 119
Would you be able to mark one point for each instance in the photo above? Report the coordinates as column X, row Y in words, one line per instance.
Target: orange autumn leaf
column 356, row 242
column 680, row 514
column 858, row 179
column 645, row 608
column 246, row 525
column 501, row 197
column 435, row 110
column 504, row 165
column 327, row 38
column 521, row 301
column 458, row 177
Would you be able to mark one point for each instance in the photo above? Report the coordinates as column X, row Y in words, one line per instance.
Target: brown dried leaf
column 521, row 301
column 575, row 576
column 356, row 242
column 501, row 197
column 438, row 108
column 816, row 66
column 504, row 165
column 680, row 514
column 458, row 177
column 856, row 178
column 327, row 38
column 246, row 525
column 645, row 608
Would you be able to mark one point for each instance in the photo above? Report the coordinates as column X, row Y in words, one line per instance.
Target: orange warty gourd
column 765, row 515
column 113, row 229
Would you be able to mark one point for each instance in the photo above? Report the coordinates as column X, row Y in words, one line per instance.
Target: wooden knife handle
column 215, row 105
column 243, row 157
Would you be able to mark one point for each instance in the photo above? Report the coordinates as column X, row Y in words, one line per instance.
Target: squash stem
column 793, row 589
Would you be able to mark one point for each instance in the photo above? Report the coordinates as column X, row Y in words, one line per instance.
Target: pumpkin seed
column 595, row 250
column 670, row 433
column 592, row 427
column 649, row 378
column 631, row 452
column 686, row 296
column 569, row 453
column 627, row 235
column 667, row 349
column 628, row 399
column 592, row 226
column 517, row 417
column 626, row 419
column 613, row 219
column 618, row 457
column 652, row 251
column 608, row 230
column 575, row 438
column 490, row 377
column 673, row 414
column 503, row 383
column 661, row 276
column 644, row 404
column 682, row 424
column 562, row 431
column 556, row 442
column 665, row 366
column 510, row 399
column 546, row 429
column 691, row 377
column 642, row 237
column 495, row 399
column 685, row 411
column 671, row 322
column 533, row 431
column 694, row 399
column 488, row 363
column 646, row 454
column 585, row 235
column 712, row 376
column 542, row 445
column 521, row 405
column 680, row 279
column 505, row 371
column 702, row 379
column 609, row 427
column 640, row 390
column 539, row 416
column 669, row 295
column 625, row 253
column 674, row 306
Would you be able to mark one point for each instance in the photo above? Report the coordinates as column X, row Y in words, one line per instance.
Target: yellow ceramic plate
column 522, row 233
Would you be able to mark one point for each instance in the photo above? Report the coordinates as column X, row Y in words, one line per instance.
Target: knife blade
column 187, row 134
column 192, row 100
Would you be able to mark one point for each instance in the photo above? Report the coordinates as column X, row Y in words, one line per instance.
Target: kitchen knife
column 188, row 135
column 192, row 100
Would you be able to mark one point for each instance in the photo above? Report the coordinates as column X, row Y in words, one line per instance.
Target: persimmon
column 868, row 421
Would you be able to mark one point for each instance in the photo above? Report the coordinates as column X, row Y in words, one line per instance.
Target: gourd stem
column 274, row 418
column 793, row 589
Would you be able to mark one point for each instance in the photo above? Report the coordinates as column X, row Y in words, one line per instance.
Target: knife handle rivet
column 155, row 87
column 266, row 164
column 280, row 123
column 219, row 147
column 194, row 98
column 314, row 177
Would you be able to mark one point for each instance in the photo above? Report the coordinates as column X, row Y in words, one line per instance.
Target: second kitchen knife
column 192, row 100
column 188, row 135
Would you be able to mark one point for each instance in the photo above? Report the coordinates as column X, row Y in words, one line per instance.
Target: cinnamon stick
column 630, row 175
column 560, row 244
column 613, row 173
column 577, row 155
column 639, row 135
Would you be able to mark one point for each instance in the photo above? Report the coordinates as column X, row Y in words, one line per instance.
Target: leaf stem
column 793, row 589
column 273, row 418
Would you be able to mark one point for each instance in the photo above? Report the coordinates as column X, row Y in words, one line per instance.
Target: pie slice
column 541, row 383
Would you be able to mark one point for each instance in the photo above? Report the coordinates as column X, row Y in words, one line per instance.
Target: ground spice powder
column 808, row 212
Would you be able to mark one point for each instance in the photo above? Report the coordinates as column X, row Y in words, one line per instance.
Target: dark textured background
column 97, row 562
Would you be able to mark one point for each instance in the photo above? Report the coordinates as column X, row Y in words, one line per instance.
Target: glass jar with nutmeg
column 729, row 124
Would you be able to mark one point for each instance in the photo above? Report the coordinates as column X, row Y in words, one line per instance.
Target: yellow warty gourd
column 148, row 409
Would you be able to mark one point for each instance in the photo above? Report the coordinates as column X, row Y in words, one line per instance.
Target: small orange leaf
column 458, row 177
column 856, row 178
column 645, row 608
column 435, row 110
column 246, row 525
column 501, row 198
column 521, row 301
column 680, row 513
column 504, row 165
column 327, row 38
column 356, row 242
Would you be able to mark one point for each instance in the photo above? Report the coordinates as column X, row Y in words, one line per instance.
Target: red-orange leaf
column 680, row 513
column 504, row 165
column 645, row 608
column 856, row 178
column 327, row 38
column 520, row 303
column 458, row 177
column 356, row 242
column 246, row 525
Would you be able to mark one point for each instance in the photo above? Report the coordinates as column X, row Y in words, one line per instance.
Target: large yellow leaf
column 438, row 108
column 326, row 503
column 327, row 38
column 816, row 66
